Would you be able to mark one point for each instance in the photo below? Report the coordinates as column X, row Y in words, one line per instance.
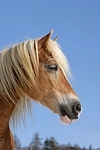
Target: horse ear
column 55, row 39
column 44, row 40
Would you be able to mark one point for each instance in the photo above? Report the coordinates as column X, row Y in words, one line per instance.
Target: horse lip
column 65, row 119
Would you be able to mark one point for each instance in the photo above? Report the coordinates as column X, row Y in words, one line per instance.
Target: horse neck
column 6, row 140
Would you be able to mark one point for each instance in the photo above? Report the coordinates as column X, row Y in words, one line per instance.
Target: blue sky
column 77, row 24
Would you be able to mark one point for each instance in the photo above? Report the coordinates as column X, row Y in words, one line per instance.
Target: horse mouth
column 66, row 120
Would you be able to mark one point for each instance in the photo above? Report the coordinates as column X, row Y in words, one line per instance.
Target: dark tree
column 84, row 148
column 90, row 147
column 50, row 144
column 62, row 147
column 36, row 142
column 77, row 146
column 46, row 144
column 69, row 145
column 53, row 144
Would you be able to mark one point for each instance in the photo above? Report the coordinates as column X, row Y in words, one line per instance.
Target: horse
column 35, row 69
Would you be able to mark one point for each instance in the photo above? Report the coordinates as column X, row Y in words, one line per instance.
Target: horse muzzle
column 70, row 112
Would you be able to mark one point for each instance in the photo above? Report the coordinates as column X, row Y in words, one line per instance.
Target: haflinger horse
column 34, row 69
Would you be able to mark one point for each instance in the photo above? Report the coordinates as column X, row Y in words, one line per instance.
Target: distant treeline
column 48, row 144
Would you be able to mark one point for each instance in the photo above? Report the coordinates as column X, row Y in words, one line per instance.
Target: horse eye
column 53, row 67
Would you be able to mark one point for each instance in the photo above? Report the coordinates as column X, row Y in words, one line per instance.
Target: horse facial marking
column 59, row 95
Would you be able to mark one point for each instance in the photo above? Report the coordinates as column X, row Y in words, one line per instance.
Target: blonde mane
column 22, row 61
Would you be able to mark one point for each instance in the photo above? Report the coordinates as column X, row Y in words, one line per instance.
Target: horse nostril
column 63, row 111
column 77, row 108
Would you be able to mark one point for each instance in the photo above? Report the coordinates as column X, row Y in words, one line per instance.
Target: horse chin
column 66, row 120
